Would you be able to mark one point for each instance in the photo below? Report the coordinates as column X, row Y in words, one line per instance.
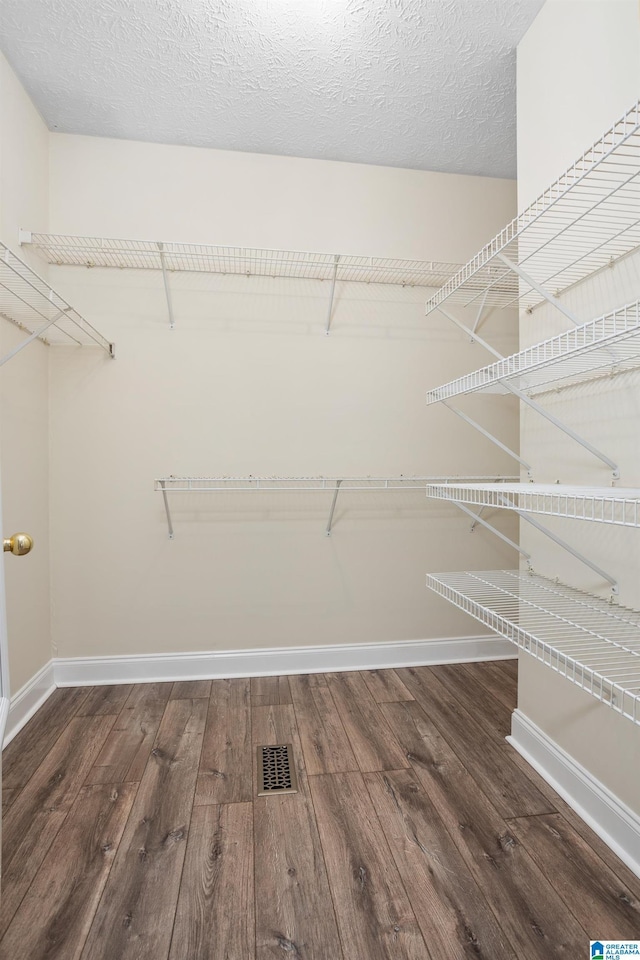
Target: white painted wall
column 578, row 71
column 24, row 391
column 123, row 188
column 248, row 383
column 578, row 65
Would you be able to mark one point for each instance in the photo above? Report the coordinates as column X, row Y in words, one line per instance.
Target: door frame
column 5, row 691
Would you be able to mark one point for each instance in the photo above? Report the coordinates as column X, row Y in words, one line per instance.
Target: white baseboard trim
column 605, row 813
column 4, row 716
column 148, row 668
column 28, row 699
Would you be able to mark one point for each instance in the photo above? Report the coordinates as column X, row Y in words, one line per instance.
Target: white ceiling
column 426, row 84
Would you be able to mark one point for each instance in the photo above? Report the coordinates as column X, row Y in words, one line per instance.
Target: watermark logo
column 614, row 949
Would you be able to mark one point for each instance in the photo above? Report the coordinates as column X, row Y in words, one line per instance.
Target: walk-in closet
column 320, row 479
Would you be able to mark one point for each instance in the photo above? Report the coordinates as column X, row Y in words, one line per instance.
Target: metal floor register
column 276, row 770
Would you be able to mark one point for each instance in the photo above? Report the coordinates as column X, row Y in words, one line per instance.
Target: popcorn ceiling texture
column 424, row 84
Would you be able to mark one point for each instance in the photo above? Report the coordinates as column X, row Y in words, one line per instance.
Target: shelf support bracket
column 517, row 269
column 531, row 403
column 470, row 333
column 566, row 546
column 478, row 519
column 489, row 436
column 565, row 429
column 167, row 289
column 336, row 261
column 166, row 507
column 33, row 336
column 480, row 311
column 333, row 507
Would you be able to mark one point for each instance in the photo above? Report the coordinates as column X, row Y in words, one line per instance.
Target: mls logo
column 614, row 949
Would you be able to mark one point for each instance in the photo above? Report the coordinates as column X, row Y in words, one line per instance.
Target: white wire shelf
column 616, row 505
column 300, row 484
column 330, row 485
column 588, row 218
column 592, row 643
column 247, row 261
column 607, row 345
column 29, row 301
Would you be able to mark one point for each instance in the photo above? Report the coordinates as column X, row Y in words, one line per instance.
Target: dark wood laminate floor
column 132, row 830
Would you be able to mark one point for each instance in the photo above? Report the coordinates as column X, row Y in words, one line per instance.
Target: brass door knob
column 18, row 544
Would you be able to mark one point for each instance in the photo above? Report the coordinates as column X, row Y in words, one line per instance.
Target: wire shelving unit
column 616, row 505
column 586, row 220
column 286, row 484
column 592, row 643
column 247, row 261
column 583, row 223
column 327, row 485
column 170, row 257
column 31, row 303
column 605, row 346
column 608, row 345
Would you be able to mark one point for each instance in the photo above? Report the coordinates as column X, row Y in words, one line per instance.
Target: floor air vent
column 276, row 770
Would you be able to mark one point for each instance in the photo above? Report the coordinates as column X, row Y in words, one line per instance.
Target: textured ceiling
column 427, row 84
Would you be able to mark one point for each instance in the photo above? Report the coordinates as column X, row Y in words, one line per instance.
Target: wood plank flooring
column 132, row 829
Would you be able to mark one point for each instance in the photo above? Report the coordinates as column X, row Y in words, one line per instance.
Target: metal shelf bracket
column 167, row 288
column 29, row 301
column 163, row 487
column 517, row 269
column 531, row 403
column 575, row 553
column 30, row 338
column 478, row 320
column 478, row 519
column 333, row 507
column 475, row 522
column 615, row 469
column 548, row 533
column 331, row 295
column 470, row 333
column 489, row 436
